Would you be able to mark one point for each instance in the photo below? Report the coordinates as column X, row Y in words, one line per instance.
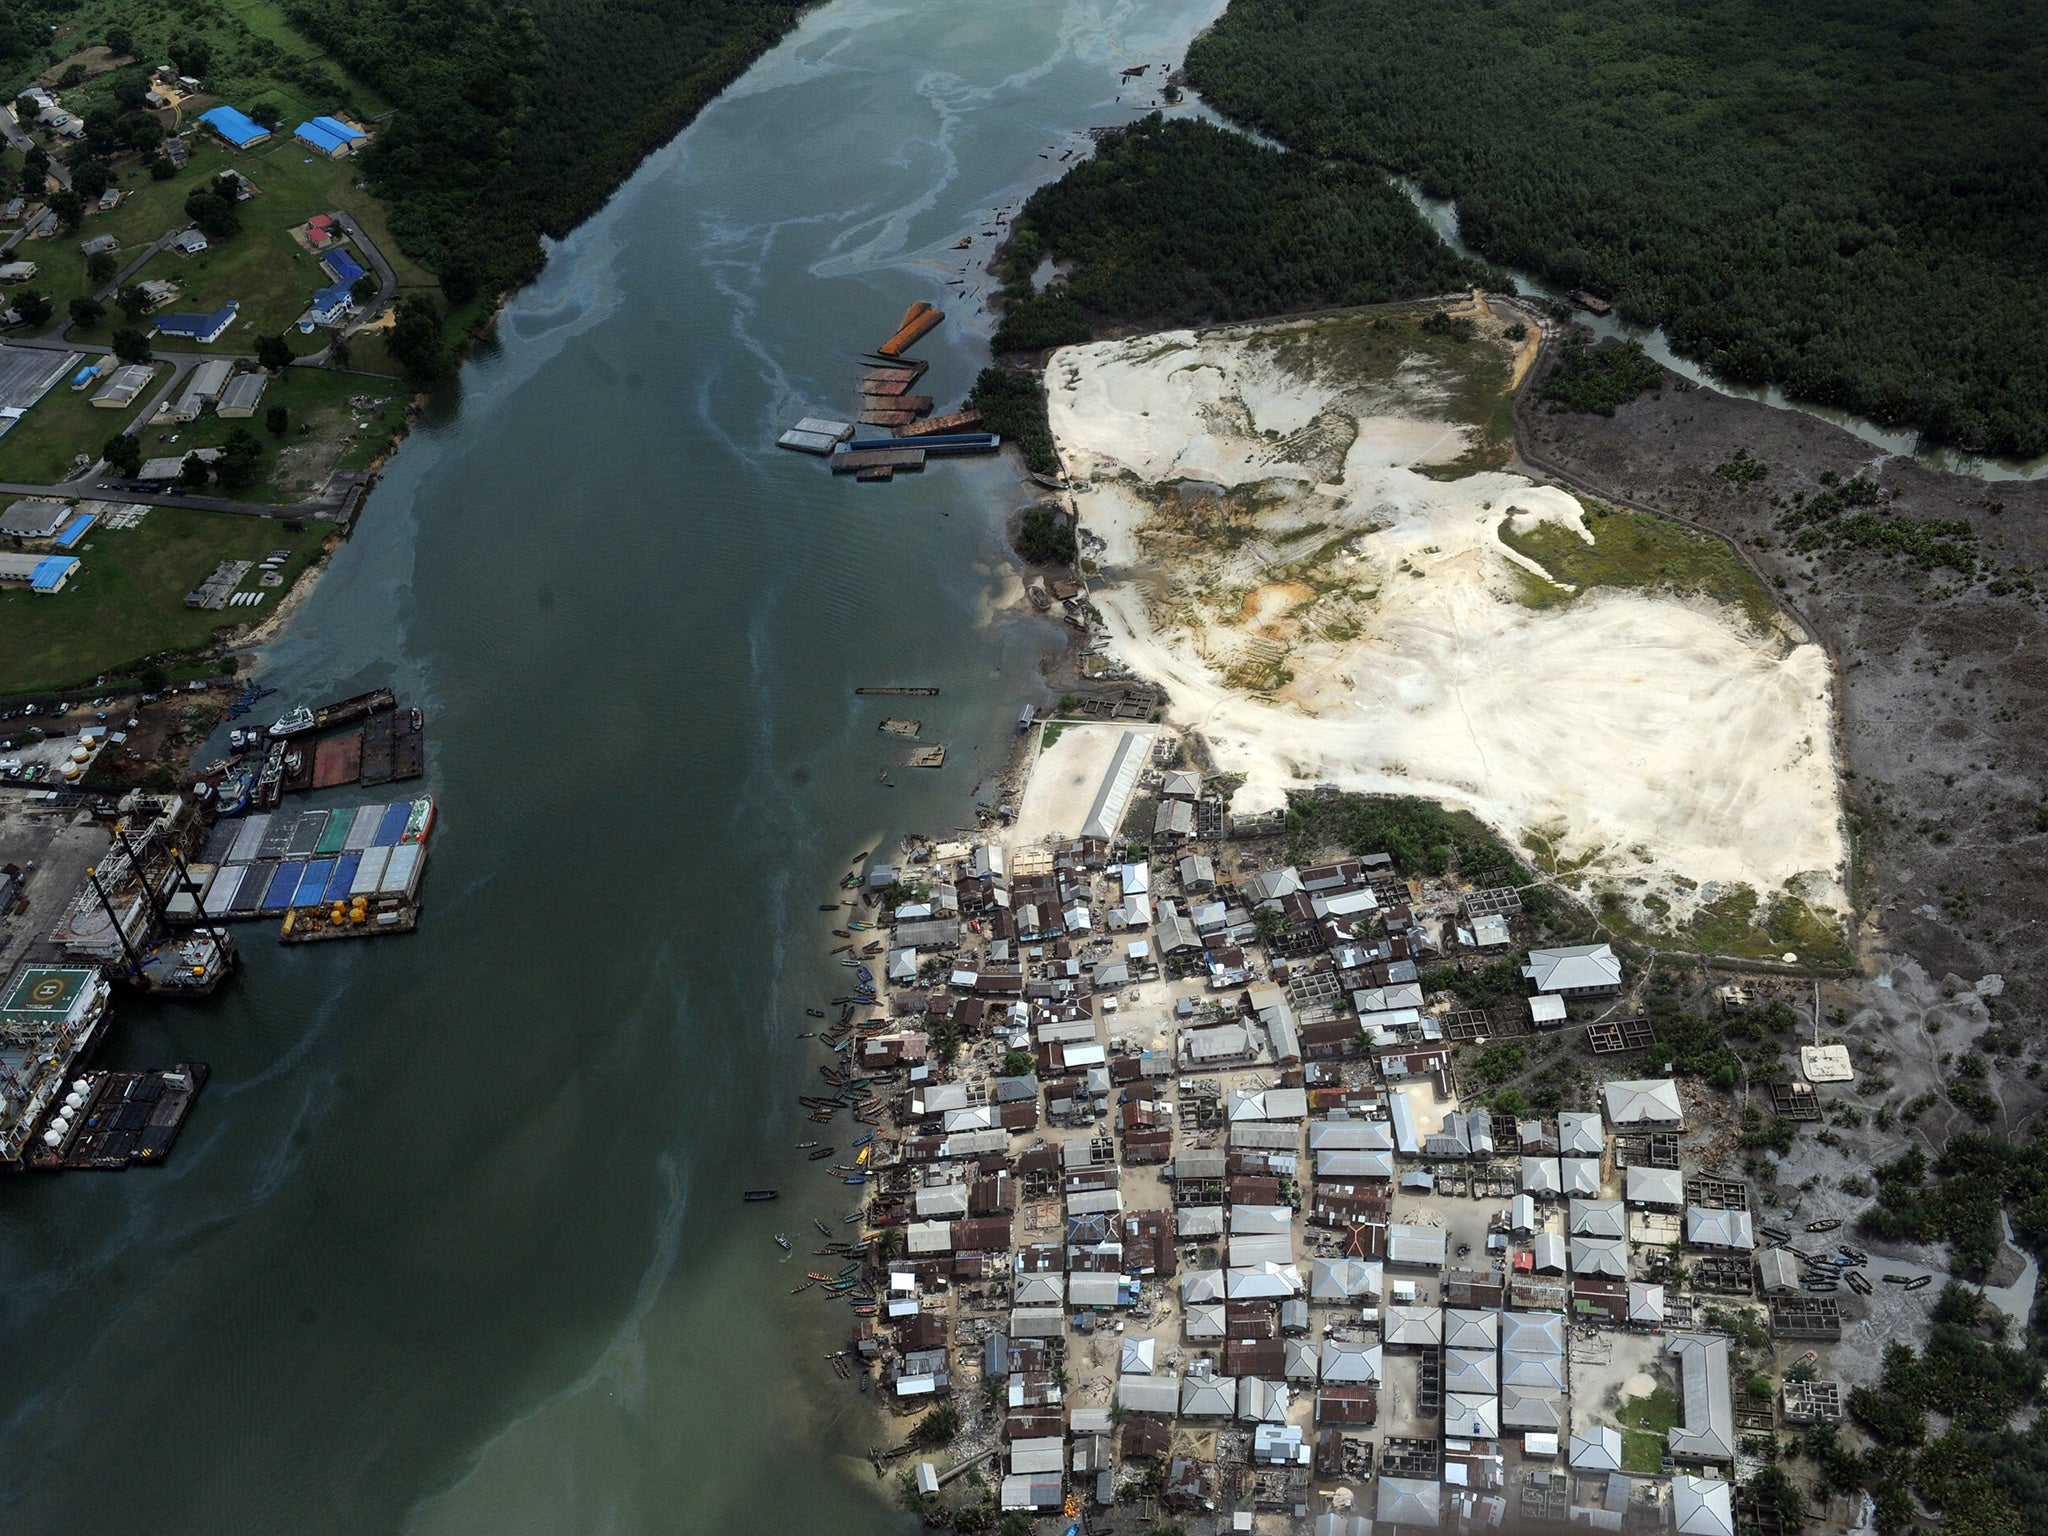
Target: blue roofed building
column 320, row 140
column 342, row 267
column 331, row 306
column 340, row 129
column 201, row 328
column 39, row 573
column 235, row 127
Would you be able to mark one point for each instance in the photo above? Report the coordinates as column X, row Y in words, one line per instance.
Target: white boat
column 296, row 723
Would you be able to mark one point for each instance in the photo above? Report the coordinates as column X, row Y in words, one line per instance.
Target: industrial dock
column 136, row 889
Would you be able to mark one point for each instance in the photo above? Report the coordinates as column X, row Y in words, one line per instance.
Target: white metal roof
column 1577, row 967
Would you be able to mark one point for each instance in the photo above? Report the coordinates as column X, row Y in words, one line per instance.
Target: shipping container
column 313, row 883
column 392, row 827
column 284, row 885
column 249, row 894
column 250, row 839
column 370, row 873
column 335, row 834
column 363, row 830
column 402, row 875
column 184, row 903
column 343, row 880
column 306, row 835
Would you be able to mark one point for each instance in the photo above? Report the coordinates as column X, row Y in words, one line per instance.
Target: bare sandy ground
column 1363, row 627
column 1064, row 780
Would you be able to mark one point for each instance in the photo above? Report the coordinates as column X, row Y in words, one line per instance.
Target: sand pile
column 1324, row 612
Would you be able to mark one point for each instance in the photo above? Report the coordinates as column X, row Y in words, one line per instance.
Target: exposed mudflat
column 1943, row 681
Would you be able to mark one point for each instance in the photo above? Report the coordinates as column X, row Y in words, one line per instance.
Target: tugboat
column 232, row 798
column 295, row 722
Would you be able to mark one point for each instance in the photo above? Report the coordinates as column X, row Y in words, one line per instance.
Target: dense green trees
column 123, row 454
column 1045, row 537
column 1176, row 223
column 517, row 121
column 1848, row 200
column 1012, row 404
column 1598, row 379
column 416, row 339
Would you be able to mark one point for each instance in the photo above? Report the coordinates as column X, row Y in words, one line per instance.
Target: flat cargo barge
column 127, row 1119
column 269, row 864
column 312, row 925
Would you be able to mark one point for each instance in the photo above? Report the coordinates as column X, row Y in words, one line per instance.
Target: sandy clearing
column 1060, row 789
column 1654, row 736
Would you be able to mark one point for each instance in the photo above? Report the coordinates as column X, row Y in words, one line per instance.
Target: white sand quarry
column 1657, row 739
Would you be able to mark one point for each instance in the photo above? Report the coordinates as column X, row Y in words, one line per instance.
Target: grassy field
column 337, row 435
column 128, row 602
column 1740, row 924
column 256, row 55
column 59, row 426
column 1645, row 1423
column 263, row 267
column 1637, row 550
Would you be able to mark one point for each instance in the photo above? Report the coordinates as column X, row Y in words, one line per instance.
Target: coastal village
column 1177, row 1210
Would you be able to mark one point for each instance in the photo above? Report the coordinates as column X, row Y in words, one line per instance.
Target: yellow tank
column 358, row 915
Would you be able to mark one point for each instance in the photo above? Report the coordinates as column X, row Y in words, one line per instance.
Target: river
column 1442, row 216
column 453, row 1243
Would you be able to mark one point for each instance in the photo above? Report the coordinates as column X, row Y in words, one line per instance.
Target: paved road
column 387, row 288
column 19, row 138
column 93, row 488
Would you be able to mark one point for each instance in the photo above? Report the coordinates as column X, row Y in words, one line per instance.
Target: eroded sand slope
column 1324, row 612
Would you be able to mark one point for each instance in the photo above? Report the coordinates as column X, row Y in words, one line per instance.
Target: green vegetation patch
column 325, row 430
column 62, row 425
column 1180, row 223
column 1012, row 405
column 1843, row 200
column 1643, row 552
column 1855, row 517
column 1959, row 1197
column 1737, row 922
column 518, row 121
column 1599, row 380
column 1646, row 1423
column 128, row 600
column 1045, row 536
column 1424, row 839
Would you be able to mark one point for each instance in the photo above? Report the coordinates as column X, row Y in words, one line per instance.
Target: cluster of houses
column 1201, row 1210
